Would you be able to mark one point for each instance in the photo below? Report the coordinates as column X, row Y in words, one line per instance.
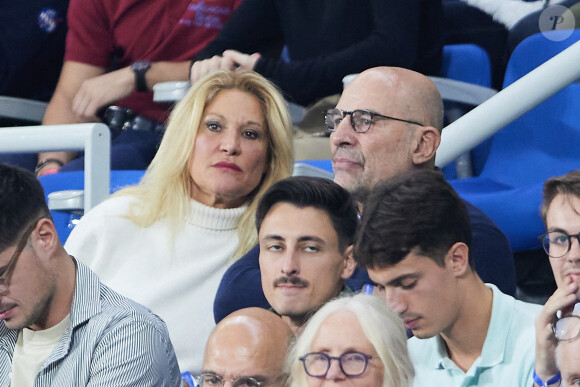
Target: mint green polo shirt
column 507, row 357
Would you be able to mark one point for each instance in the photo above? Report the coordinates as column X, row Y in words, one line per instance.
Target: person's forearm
column 167, row 71
column 57, row 112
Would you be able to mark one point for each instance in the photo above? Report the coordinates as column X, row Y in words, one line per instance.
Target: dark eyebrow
column 275, row 237
column 557, row 229
column 310, row 238
column 305, row 238
column 397, row 281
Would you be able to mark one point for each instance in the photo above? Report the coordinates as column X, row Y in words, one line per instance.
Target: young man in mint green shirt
column 415, row 242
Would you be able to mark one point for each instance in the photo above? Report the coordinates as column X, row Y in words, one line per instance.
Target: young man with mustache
column 305, row 228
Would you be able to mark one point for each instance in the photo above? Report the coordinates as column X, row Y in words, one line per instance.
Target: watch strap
column 140, row 68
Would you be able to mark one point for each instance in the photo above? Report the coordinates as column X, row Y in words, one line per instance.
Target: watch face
column 140, row 65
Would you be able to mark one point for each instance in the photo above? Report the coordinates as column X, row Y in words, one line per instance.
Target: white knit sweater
column 177, row 282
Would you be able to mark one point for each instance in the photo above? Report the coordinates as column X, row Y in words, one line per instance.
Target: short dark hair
column 568, row 184
column 21, row 202
column 415, row 210
column 320, row 193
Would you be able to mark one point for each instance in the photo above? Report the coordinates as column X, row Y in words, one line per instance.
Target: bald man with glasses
column 248, row 349
column 59, row 326
column 559, row 319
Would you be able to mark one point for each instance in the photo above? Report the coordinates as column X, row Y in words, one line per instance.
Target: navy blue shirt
column 328, row 39
column 32, row 47
column 241, row 285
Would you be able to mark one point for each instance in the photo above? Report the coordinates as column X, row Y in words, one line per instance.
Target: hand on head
column 230, row 60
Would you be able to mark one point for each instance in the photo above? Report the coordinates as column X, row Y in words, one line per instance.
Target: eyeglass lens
column 558, row 243
column 317, row 364
column 360, row 120
column 567, row 328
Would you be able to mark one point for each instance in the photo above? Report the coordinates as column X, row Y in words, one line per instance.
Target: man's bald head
column 390, row 147
column 250, row 342
column 404, row 91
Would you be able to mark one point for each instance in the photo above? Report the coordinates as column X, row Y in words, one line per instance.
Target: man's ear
column 426, row 144
column 349, row 262
column 457, row 259
column 45, row 237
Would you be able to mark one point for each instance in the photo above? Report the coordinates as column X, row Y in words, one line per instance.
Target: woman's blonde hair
column 164, row 191
column 382, row 327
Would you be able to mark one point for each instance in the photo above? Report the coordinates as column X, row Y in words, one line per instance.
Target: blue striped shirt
column 111, row 341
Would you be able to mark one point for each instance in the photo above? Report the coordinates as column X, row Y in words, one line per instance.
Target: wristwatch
column 140, row 68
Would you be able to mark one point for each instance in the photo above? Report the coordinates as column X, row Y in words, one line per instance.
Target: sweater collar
column 212, row 218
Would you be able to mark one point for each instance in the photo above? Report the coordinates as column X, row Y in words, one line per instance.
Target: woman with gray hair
column 356, row 338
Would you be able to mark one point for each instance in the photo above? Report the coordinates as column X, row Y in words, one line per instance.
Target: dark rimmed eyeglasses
column 352, row 363
column 360, row 120
column 557, row 243
column 4, row 277
column 210, row 379
column 567, row 328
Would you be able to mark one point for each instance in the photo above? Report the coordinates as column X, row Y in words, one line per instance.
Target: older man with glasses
column 247, row 349
column 59, row 326
column 567, row 330
column 559, row 319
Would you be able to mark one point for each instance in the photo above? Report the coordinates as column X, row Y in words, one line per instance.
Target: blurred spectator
column 568, row 357
column 32, row 49
column 167, row 241
column 115, row 52
column 59, row 325
column 561, row 215
column 498, row 26
column 325, row 40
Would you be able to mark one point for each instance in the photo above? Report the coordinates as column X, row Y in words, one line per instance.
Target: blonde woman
column 167, row 241
column 357, row 341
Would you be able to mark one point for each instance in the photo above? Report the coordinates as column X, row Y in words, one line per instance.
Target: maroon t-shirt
column 153, row 30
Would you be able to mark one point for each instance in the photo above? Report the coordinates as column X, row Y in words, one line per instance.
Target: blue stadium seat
column 466, row 63
column 66, row 220
column 540, row 144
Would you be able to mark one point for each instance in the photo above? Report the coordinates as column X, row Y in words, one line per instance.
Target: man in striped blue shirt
column 59, row 326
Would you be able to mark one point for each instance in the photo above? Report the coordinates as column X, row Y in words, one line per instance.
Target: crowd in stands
column 219, row 267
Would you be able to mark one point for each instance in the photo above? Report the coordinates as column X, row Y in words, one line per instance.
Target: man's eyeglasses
column 567, row 328
column 12, row 262
column 360, row 120
column 557, row 243
column 209, row 379
column 352, row 363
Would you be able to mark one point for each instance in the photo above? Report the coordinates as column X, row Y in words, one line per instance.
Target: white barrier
column 94, row 139
column 513, row 101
